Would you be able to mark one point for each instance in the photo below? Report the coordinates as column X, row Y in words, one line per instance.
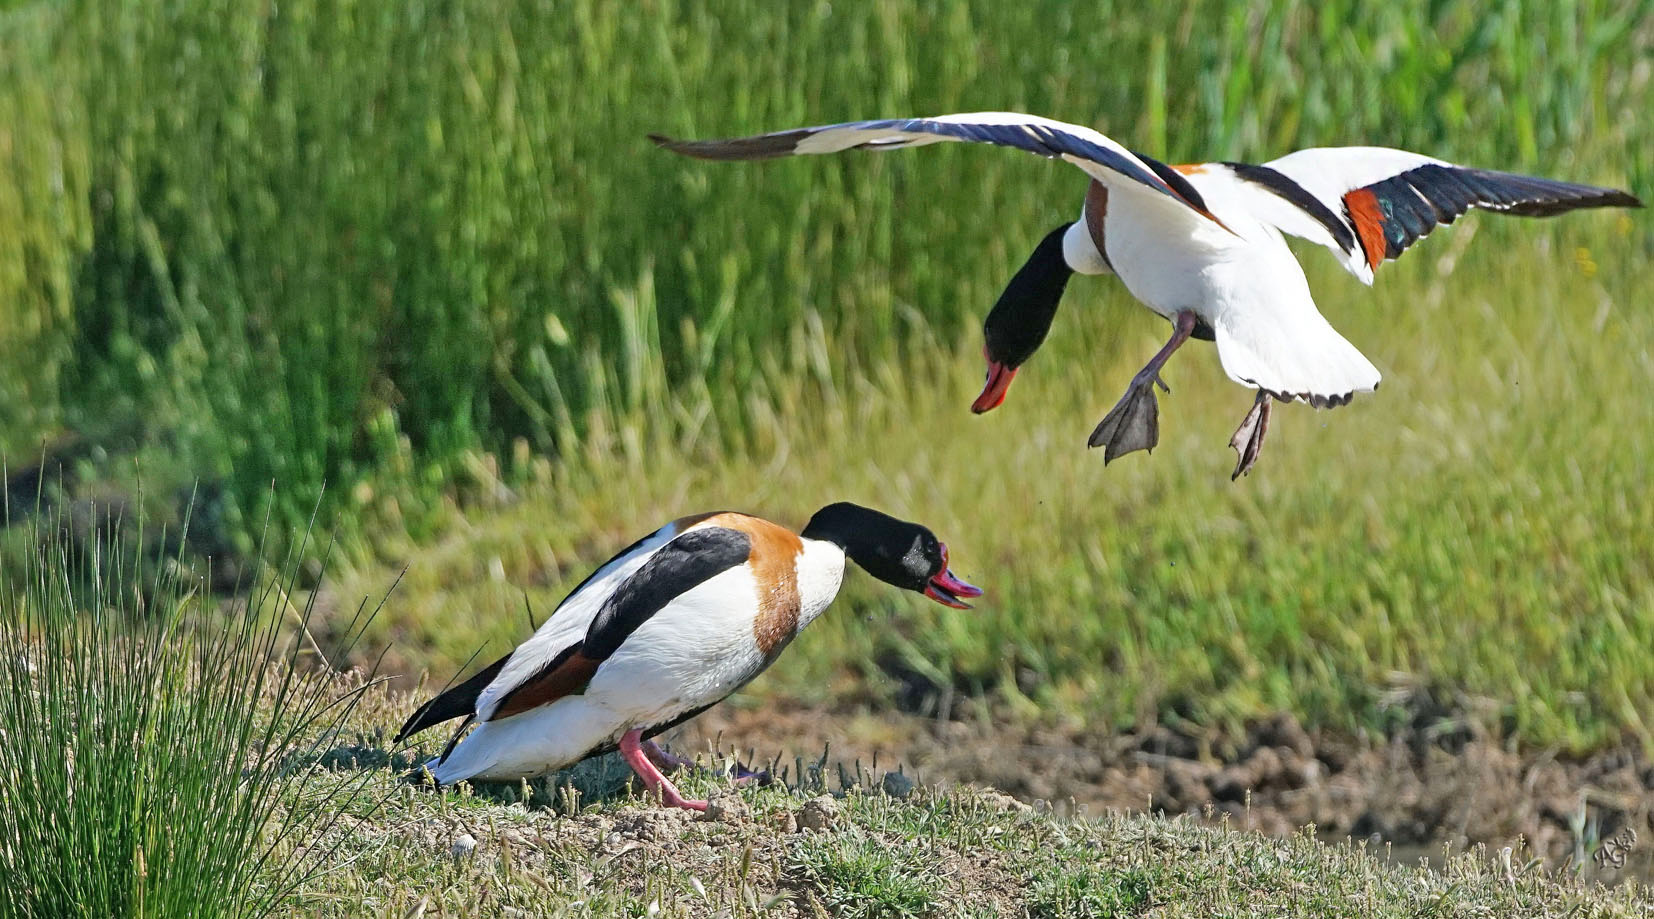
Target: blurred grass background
column 422, row 253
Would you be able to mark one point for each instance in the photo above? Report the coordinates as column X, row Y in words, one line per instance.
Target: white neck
column 820, row 572
column 1079, row 250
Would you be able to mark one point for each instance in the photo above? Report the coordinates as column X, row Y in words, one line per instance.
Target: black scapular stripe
column 454, row 702
column 1174, row 179
column 681, row 565
column 599, row 570
column 1293, row 193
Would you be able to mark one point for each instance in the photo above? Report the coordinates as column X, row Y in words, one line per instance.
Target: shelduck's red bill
column 993, row 392
column 947, row 589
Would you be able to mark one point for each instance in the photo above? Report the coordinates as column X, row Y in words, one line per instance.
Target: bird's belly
column 532, row 743
column 1170, row 278
column 1169, row 267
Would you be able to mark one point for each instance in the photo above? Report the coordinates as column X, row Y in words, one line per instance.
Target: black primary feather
column 457, row 701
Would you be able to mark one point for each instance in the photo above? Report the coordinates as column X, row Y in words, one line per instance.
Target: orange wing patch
column 1190, row 169
column 774, row 562
column 1362, row 205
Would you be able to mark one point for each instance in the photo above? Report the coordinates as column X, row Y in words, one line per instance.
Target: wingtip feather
column 413, row 726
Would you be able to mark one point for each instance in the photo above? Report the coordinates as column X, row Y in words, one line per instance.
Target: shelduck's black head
column 1016, row 326
column 894, row 551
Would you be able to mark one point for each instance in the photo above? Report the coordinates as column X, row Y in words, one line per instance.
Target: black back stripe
column 681, row 565
column 1295, row 194
column 601, row 570
column 1174, row 179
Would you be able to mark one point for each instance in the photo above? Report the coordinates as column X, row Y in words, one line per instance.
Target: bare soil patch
column 1417, row 790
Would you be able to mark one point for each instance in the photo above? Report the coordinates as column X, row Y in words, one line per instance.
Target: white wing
column 1101, row 158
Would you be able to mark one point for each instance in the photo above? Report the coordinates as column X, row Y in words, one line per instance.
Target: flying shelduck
column 1202, row 246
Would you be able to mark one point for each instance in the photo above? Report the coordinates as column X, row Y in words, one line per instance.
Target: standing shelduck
column 663, row 631
column 1201, row 245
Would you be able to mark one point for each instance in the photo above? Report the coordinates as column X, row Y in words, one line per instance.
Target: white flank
column 568, row 624
column 698, row 649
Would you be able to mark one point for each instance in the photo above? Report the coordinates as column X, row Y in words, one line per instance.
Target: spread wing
column 1101, row 158
column 1369, row 204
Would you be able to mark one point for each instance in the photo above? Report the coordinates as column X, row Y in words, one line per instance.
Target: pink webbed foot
column 631, row 749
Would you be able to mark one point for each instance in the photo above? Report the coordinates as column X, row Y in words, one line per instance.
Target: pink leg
column 632, row 750
column 1134, row 422
column 664, row 759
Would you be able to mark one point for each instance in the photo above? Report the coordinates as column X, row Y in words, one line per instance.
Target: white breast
column 1079, row 250
column 820, row 573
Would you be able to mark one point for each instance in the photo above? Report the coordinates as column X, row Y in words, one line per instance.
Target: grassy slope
column 954, row 853
column 1472, row 529
column 934, row 852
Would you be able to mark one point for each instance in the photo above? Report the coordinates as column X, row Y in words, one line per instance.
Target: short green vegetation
column 1088, row 892
column 770, row 852
column 854, row 874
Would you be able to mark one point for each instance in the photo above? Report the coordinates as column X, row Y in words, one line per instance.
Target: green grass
column 1090, row 893
column 856, row 875
column 334, row 241
column 149, row 750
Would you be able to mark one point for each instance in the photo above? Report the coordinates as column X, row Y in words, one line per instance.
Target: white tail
column 1294, row 356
